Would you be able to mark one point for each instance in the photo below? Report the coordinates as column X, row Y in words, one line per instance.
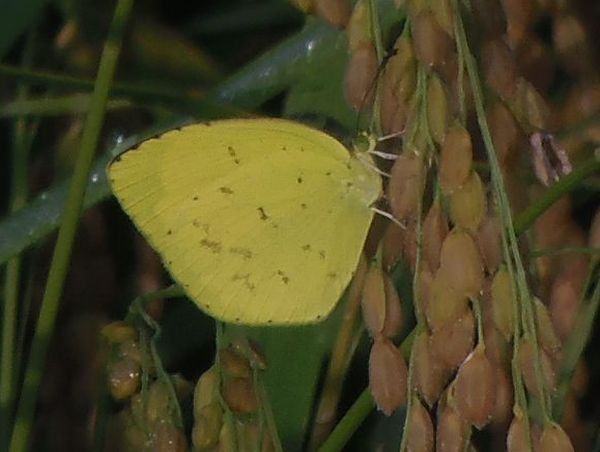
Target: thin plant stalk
column 60, row 260
column 19, row 189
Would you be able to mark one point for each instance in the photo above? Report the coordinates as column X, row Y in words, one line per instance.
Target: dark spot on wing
column 283, row 148
column 245, row 278
column 284, row 278
column 208, row 124
column 118, row 158
column 303, row 205
column 213, row 246
column 306, row 247
column 349, row 184
column 226, row 190
column 169, row 232
column 299, row 180
column 244, row 252
column 232, row 153
column 332, row 275
column 328, row 173
column 263, row 214
column 195, row 198
column 301, row 148
column 322, row 254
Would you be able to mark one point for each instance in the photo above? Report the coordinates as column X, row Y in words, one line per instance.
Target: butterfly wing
column 261, row 221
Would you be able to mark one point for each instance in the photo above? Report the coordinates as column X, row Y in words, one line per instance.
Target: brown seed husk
column 393, row 242
column 474, row 389
column 505, row 134
column 451, row 431
column 118, row 332
column 409, row 247
column 519, row 16
column 420, row 429
column 360, row 73
column 456, row 159
column 227, row 438
column 454, row 341
column 359, row 27
column 489, row 15
column 435, row 230
column 594, row 237
column 529, row 106
column 394, row 111
column 468, row 204
column 430, row 377
column 393, row 310
column 489, row 243
column 233, row 364
column 502, row 303
column 168, row 438
column 130, row 348
column 571, row 44
column 240, row 396
column 405, row 188
column 207, row 426
column 387, row 376
column 545, row 329
column 554, row 439
column 518, row 438
column 398, row 86
column 373, row 299
column 433, row 46
column 157, row 399
column 437, row 108
column 445, row 303
column 461, row 263
column 206, row 389
column 335, row 12
column 564, row 304
column 501, row 415
column 124, row 378
column 526, row 364
column 536, row 63
column 444, row 14
column 500, row 68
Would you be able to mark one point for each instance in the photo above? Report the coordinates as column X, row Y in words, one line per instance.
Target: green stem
column 576, row 342
column 19, row 188
column 564, row 250
column 172, row 98
column 349, row 423
column 64, row 244
column 505, row 215
column 557, row 191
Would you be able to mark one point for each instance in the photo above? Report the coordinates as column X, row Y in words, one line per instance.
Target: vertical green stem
column 19, row 188
column 66, row 234
column 508, row 232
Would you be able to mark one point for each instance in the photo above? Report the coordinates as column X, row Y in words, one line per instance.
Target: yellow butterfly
column 261, row 221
